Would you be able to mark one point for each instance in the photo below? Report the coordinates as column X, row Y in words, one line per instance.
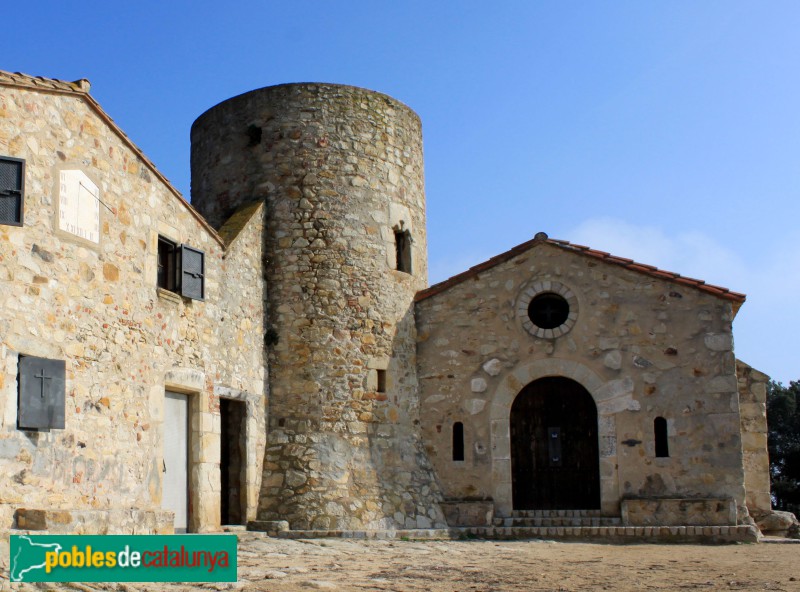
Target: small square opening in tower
column 402, row 243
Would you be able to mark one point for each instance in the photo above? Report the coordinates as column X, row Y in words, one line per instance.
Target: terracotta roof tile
column 736, row 297
column 19, row 79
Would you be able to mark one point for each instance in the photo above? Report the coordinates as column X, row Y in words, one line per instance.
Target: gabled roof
column 541, row 238
column 80, row 88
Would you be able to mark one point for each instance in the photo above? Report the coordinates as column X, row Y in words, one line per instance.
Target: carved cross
column 42, row 376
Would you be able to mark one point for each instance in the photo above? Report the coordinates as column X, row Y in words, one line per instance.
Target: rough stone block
column 689, row 512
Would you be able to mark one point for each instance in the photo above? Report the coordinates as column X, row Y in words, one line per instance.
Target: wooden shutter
column 12, row 182
column 192, row 273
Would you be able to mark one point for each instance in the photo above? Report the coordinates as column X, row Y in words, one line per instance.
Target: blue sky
column 667, row 132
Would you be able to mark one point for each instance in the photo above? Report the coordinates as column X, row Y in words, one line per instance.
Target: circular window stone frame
column 546, row 287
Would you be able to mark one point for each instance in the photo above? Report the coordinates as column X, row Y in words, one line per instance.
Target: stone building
column 271, row 353
column 129, row 354
column 558, row 377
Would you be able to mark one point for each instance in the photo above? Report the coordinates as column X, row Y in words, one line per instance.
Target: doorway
column 175, row 485
column 555, row 461
column 233, row 457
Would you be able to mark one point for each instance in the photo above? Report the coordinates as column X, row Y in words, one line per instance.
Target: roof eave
column 80, row 88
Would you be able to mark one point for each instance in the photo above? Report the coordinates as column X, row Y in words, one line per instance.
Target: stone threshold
column 772, row 540
column 593, row 534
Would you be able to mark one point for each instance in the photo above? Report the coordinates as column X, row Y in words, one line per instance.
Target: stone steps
column 557, row 513
column 595, row 534
column 584, row 521
column 548, row 518
column 631, row 534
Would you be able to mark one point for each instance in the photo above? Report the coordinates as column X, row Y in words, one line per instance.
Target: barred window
column 12, row 189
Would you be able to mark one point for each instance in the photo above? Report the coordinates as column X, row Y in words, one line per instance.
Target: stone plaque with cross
column 41, row 393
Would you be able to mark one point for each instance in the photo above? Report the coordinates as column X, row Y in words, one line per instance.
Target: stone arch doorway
column 555, row 462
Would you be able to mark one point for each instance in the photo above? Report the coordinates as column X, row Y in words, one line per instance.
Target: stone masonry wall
column 241, row 338
column 641, row 346
column 340, row 169
column 753, row 410
column 97, row 308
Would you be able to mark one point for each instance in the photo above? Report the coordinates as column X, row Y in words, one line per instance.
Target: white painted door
column 176, row 447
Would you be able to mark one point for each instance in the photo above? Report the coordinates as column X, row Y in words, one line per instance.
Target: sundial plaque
column 79, row 206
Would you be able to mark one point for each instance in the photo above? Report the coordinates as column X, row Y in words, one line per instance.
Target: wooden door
column 554, row 451
column 233, row 460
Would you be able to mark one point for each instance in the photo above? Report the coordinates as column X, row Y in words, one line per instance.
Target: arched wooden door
column 555, row 462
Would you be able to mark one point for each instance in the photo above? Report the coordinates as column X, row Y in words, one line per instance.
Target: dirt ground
column 519, row 565
column 437, row 566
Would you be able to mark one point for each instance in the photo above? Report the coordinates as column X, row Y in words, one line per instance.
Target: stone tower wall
column 340, row 169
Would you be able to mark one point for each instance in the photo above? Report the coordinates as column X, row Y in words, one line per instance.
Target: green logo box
column 123, row 558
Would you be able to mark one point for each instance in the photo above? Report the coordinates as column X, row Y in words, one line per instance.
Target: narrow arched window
column 402, row 244
column 458, row 441
column 660, row 432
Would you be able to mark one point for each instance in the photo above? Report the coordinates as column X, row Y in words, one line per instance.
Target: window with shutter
column 192, row 273
column 12, row 188
column 167, row 260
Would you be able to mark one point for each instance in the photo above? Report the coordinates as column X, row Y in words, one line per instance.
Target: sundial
column 79, row 206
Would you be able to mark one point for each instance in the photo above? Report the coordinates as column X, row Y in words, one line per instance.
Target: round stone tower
column 341, row 172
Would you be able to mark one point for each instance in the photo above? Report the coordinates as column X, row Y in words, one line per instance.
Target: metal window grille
column 12, row 189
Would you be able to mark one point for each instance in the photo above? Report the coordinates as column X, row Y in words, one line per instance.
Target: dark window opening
column 12, row 189
column 254, row 135
column 181, row 269
column 167, row 264
column 548, row 310
column 402, row 243
column 662, row 444
column 458, row 441
column 381, row 387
